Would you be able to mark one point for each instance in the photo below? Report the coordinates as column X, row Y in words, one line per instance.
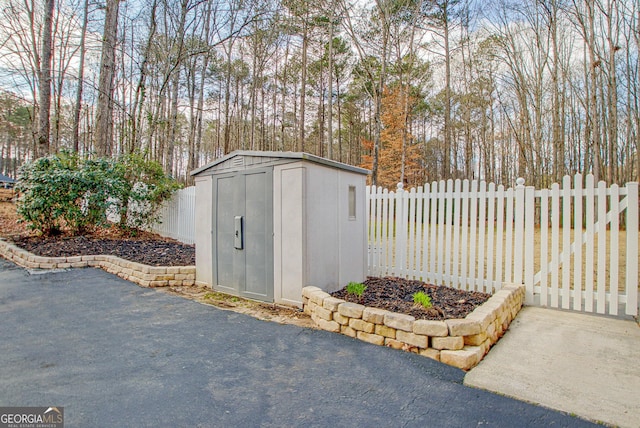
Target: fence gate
column 589, row 238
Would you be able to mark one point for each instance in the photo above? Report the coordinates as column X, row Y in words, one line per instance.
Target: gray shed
column 6, row 182
column 270, row 223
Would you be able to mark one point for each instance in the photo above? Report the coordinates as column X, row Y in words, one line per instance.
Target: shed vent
column 238, row 161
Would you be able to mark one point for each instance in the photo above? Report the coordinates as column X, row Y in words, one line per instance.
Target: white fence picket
column 613, row 249
column 578, row 242
column 555, row 243
column 473, row 215
column 482, row 221
column 590, row 243
column 518, row 242
column 384, row 262
column 487, row 284
column 500, row 237
column 425, row 231
column 631, row 286
column 529, row 243
column 457, row 199
column 566, row 242
column 178, row 216
column 411, row 263
column 544, row 249
column 508, row 261
column 371, row 223
column 448, row 271
column 602, row 248
column 464, row 225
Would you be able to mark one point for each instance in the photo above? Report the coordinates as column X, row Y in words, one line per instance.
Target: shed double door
column 243, row 233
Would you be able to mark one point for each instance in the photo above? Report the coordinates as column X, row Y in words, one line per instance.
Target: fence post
column 519, row 232
column 632, row 249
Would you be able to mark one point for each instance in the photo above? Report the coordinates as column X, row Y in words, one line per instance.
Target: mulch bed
column 396, row 295
column 152, row 251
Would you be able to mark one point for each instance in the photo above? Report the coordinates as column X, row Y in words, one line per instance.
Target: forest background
column 413, row 90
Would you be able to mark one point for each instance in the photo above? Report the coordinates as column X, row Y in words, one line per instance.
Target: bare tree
column 104, row 126
column 80, row 84
column 375, row 71
column 45, row 81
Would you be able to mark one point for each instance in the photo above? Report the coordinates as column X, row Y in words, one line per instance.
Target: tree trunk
column 330, row 89
column 446, row 173
column 612, row 91
column 45, row 82
column 139, row 97
column 303, row 85
column 78, row 105
column 104, row 114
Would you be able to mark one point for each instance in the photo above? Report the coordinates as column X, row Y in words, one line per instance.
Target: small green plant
column 356, row 288
column 420, row 298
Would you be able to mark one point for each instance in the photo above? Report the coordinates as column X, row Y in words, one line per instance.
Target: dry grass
column 610, row 259
column 9, row 225
column 6, row 195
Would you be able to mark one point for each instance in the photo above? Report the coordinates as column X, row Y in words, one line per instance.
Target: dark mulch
column 396, row 295
column 145, row 250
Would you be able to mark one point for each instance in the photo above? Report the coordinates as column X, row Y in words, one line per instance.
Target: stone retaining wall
column 143, row 275
column 458, row 342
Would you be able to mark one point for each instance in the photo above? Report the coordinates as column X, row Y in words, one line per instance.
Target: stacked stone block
column 458, row 342
column 143, row 275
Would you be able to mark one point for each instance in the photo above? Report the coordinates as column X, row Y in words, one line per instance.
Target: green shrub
column 63, row 190
column 143, row 187
column 356, row 288
column 423, row 299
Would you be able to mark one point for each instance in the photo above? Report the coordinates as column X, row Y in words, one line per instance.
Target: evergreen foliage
column 64, row 191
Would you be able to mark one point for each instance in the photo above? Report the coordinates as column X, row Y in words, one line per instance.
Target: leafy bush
column 423, row 299
column 64, row 190
column 142, row 189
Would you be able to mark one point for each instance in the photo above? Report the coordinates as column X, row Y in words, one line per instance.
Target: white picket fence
column 563, row 244
column 177, row 216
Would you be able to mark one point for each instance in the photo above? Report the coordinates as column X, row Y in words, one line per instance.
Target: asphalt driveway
column 114, row 354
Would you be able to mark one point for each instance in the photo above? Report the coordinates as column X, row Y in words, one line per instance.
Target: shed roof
column 282, row 155
column 5, row 179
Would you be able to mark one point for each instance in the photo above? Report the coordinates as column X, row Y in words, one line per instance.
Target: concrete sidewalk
column 582, row 364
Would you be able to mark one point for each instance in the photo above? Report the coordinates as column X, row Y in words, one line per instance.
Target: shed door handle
column 237, row 241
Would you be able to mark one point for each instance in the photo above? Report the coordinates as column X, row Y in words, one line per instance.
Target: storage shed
column 270, row 223
column 7, row 182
